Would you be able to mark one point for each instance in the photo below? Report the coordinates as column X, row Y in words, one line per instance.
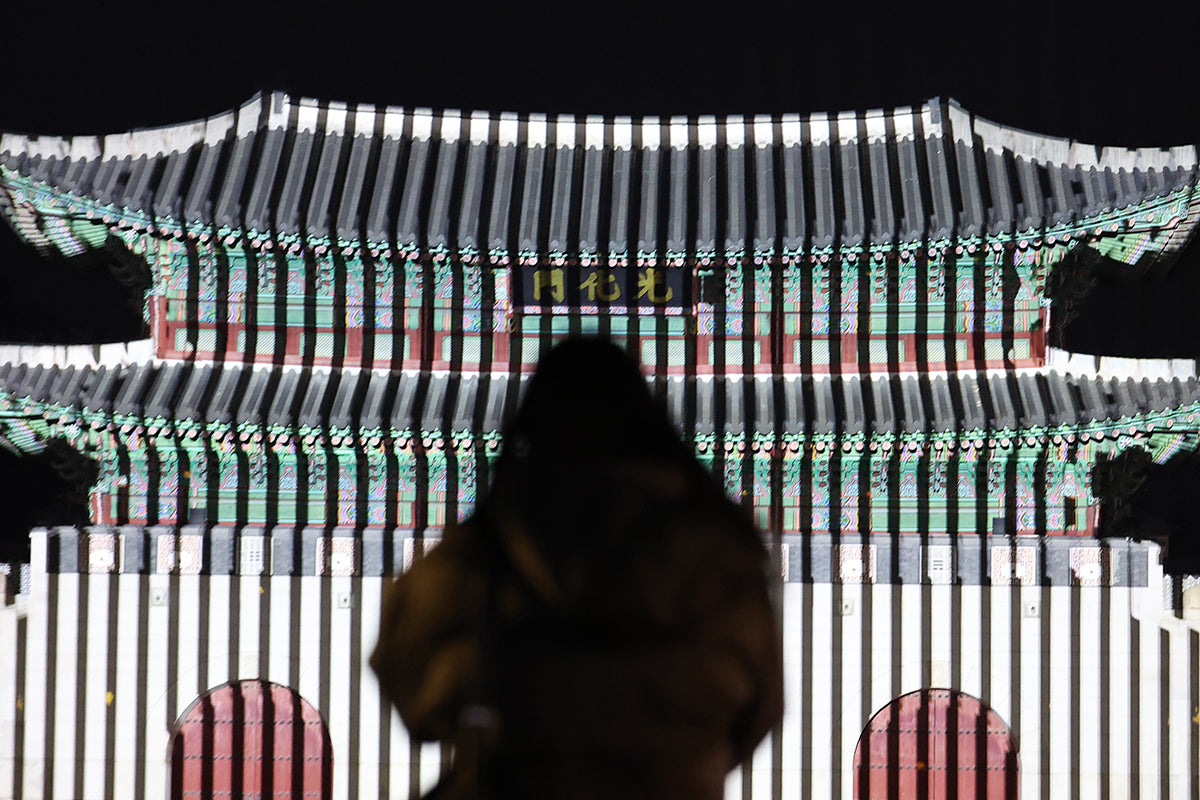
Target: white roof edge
column 335, row 118
column 422, row 124
column 735, row 131
column 764, row 131
column 248, row 115
column 593, row 133
column 651, row 132
column 537, row 130
column 451, row 126
column 623, row 133
column 706, row 133
column 902, row 120
column 847, row 122
column 480, row 124
column 876, row 119
column 564, row 131
column 393, row 122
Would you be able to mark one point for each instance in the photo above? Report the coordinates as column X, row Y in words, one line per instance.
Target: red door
column 935, row 744
column 251, row 739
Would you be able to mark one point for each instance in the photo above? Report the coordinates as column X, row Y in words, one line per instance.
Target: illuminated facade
column 847, row 314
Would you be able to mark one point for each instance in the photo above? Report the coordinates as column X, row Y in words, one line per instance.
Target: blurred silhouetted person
column 600, row 627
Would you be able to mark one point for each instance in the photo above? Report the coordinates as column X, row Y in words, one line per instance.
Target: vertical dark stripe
column 203, row 622
column 22, row 652
column 143, row 666
column 110, row 721
column 81, row 627
column 1193, row 718
column 351, row 760
column 52, row 679
column 1075, row 657
column 1044, row 696
column 1164, row 714
column 1135, row 708
column 837, row 592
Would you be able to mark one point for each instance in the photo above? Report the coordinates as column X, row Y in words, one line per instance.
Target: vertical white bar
column 431, row 766
column 970, row 680
column 911, row 658
column 733, row 784
column 1000, row 696
column 1089, row 691
column 1119, row 721
column 1033, row 715
column 794, row 694
column 8, row 693
column 881, row 648
column 850, row 710
column 96, row 681
column 249, row 605
column 126, row 683
column 821, row 615
column 66, row 718
column 219, row 669
column 761, row 784
column 310, row 641
column 1180, row 714
column 186, row 678
column 35, row 669
column 368, row 695
column 1062, row 694
column 157, row 622
column 339, row 684
column 939, row 635
column 1149, row 741
column 278, row 668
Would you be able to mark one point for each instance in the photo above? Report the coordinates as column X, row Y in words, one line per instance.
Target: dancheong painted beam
column 915, row 238
column 957, row 453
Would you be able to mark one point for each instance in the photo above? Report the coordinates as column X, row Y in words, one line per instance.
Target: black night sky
column 1111, row 75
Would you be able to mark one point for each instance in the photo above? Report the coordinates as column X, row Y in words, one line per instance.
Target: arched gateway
column 935, row 744
column 251, row 739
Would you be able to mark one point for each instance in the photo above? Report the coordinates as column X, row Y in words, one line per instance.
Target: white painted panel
column 823, row 666
column 369, row 721
column 970, row 678
column 881, row 648
column 911, row 623
column 1181, row 715
column 249, row 604
column 1119, row 722
column 852, row 700
column 219, row 669
column 157, row 638
column 35, row 670
column 187, row 687
column 1057, row 709
column 1002, row 644
column 795, row 615
column 1030, row 699
column 280, row 659
column 1149, row 740
column 8, row 694
column 96, row 681
column 1089, row 691
column 126, row 684
column 66, row 661
column 339, row 683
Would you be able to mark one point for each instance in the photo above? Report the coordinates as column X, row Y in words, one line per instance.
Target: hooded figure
column 600, row 627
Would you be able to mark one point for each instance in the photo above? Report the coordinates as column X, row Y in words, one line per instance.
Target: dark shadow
column 91, row 298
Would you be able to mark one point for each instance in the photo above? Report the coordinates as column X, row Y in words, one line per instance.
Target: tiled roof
column 282, row 169
column 375, row 400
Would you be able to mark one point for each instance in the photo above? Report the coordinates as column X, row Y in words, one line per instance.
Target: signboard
column 548, row 287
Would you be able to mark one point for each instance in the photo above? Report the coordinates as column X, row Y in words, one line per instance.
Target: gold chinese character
column 652, row 284
column 551, row 279
column 607, row 290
